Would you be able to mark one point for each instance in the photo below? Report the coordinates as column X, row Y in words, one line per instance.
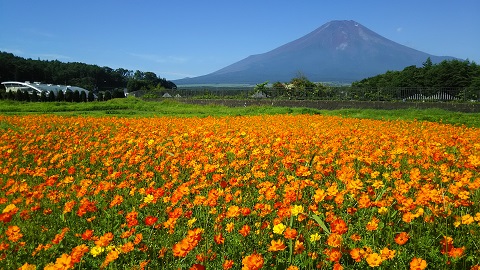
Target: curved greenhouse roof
column 40, row 87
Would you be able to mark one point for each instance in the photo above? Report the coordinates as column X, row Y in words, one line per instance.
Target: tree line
column 91, row 77
column 461, row 78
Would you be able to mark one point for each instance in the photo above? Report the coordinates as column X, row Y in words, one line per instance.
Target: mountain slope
column 342, row 51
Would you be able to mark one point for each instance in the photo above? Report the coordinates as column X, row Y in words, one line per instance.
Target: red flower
column 150, row 220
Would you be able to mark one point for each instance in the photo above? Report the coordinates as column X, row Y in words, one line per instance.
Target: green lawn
column 133, row 107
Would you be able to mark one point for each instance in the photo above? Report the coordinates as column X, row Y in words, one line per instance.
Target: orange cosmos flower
column 59, row 237
column 111, row 256
column 13, row 233
column 333, row 254
column 290, row 233
column 357, row 254
column 276, row 245
column 252, row 262
column 127, row 247
column 197, row 267
column 337, row 266
column 233, row 211
column 456, row 252
column 104, row 240
column 372, row 225
column 27, row 266
column 387, row 254
column 117, row 200
column 338, row 226
column 219, row 239
column 182, row 248
column 418, row 264
column 334, row 240
column 64, row 262
column 132, row 219
column 355, row 237
column 401, row 238
column 299, row 247
column 78, row 252
column 245, row 230
column 138, row 238
column 227, row 264
column 68, row 206
column 373, row 259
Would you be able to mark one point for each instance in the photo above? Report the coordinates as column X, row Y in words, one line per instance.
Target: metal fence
column 424, row 94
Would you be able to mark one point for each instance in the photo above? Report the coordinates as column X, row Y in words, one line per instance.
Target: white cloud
column 399, row 29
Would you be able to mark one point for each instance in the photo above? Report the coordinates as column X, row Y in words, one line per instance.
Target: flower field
column 271, row 192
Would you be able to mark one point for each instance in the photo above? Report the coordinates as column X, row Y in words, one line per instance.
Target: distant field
column 133, row 107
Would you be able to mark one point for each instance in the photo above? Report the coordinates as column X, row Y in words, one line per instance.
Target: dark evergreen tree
column 83, row 96
column 60, row 96
column 19, row 95
column 107, row 96
column 76, row 96
column 43, row 97
column 10, row 95
column 51, row 96
column 34, row 96
column 26, row 95
column 118, row 94
column 101, row 97
column 69, row 95
column 90, row 96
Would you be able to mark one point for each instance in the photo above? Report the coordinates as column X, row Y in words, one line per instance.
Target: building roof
column 40, row 87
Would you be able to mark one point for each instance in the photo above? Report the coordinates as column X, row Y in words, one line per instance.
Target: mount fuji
column 338, row 51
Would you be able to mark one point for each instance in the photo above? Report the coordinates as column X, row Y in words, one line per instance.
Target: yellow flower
column 382, row 210
column 96, row 250
column 296, row 209
column 314, row 237
column 230, row 226
column 110, row 248
column 279, row 228
column 148, row 199
column 10, row 207
column 191, row 221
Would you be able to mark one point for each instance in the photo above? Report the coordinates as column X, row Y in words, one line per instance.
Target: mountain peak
column 339, row 50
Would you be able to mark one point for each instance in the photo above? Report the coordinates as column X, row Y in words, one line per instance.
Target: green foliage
column 90, row 96
column 107, row 96
column 148, row 81
column 92, row 77
column 83, row 96
column 453, row 73
column 69, row 95
column 60, row 96
column 131, row 106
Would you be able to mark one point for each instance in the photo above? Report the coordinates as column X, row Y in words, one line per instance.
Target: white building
column 40, row 87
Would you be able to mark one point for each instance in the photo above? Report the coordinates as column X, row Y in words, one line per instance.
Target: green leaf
column 321, row 223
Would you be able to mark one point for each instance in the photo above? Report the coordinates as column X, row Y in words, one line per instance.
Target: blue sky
column 176, row 39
